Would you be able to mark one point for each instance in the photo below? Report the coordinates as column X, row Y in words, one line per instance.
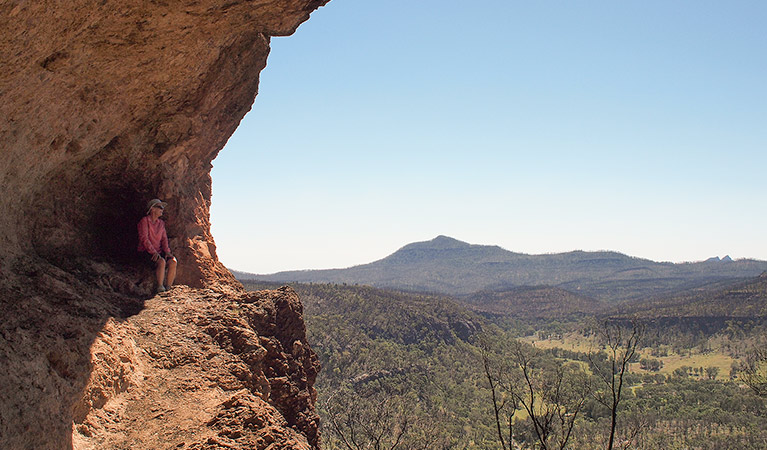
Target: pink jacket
column 152, row 237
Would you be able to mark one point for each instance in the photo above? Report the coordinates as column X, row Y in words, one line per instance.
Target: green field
column 577, row 343
column 573, row 342
column 672, row 362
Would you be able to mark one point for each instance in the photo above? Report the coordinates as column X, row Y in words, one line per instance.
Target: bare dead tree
column 620, row 343
column 377, row 420
column 373, row 422
column 754, row 371
column 504, row 408
column 640, row 423
column 550, row 392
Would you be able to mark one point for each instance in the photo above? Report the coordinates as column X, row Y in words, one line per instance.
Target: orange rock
column 103, row 106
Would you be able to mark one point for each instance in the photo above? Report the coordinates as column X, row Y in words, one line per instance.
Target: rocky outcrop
column 193, row 368
column 103, row 105
column 107, row 104
column 146, row 388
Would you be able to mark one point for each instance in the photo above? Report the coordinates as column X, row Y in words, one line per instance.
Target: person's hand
column 155, row 257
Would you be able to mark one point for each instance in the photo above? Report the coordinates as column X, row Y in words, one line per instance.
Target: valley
column 430, row 348
column 404, row 368
column 696, row 360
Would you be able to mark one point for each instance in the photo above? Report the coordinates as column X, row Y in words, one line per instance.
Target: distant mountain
column 446, row 265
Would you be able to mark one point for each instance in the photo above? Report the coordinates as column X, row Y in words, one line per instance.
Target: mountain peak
column 440, row 242
column 448, row 242
column 447, row 265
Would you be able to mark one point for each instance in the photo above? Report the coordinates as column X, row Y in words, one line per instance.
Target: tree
column 377, row 420
column 550, row 392
column 620, row 343
column 753, row 371
column 504, row 407
column 650, row 364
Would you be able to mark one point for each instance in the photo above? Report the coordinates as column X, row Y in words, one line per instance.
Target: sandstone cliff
column 103, row 105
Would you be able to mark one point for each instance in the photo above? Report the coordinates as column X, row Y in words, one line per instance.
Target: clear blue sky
column 539, row 126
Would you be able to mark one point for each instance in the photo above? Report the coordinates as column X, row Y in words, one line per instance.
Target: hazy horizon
column 636, row 128
column 510, row 250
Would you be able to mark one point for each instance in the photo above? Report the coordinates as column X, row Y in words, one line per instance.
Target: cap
column 155, row 202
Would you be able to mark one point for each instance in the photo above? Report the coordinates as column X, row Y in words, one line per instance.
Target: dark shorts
column 148, row 258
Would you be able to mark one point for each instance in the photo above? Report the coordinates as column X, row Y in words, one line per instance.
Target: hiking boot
column 160, row 289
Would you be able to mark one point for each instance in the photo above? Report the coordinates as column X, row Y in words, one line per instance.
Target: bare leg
column 160, row 272
column 171, row 272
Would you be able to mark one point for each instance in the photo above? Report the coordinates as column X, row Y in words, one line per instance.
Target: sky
column 538, row 126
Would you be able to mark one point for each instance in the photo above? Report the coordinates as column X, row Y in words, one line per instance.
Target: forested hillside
column 532, row 302
column 416, row 369
column 391, row 359
column 744, row 299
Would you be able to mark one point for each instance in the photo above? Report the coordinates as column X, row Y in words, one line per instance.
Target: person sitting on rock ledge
column 153, row 243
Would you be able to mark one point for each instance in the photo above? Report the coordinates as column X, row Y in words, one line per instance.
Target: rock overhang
column 106, row 105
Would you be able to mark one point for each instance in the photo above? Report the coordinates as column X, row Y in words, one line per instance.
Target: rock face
column 145, row 389
column 104, row 105
column 191, row 369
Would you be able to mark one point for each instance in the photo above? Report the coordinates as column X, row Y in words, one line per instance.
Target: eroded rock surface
column 145, row 389
column 105, row 104
column 193, row 368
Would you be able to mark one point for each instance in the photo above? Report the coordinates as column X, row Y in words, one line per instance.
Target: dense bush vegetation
column 403, row 370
